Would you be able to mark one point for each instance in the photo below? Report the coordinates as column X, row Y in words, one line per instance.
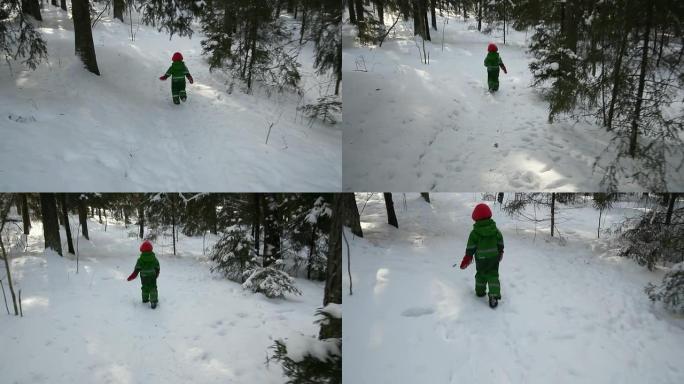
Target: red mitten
column 504, row 68
column 190, row 79
column 162, row 78
column 467, row 259
column 133, row 276
column 157, row 273
column 500, row 256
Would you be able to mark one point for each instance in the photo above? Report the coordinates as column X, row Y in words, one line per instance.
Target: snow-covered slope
column 415, row 127
column 65, row 128
column 570, row 313
column 91, row 327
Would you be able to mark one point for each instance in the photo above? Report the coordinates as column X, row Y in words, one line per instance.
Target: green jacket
column 177, row 71
column 493, row 61
column 147, row 264
column 485, row 241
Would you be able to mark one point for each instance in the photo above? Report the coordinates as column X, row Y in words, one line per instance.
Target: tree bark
column 141, row 221
column 391, row 215
column 333, row 282
column 479, row 15
column 83, row 217
column 83, row 34
column 553, row 213
column 62, row 4
column 48, row 208
column 358, row 6
column 670, row 208
column 352, row 12
column 119, row 6
column 257, row 222
column 271, row 229
column 65, row 220
column 4, row 210
column 25, row 214
column 31, row 7
column 433, row 15
column 380, row 6
column 350, row 214
column 642, row 82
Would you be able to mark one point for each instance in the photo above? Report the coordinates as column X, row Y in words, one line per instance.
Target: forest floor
column 571, row 311
column 92, row 327
column 415, row 127
column 120, row 131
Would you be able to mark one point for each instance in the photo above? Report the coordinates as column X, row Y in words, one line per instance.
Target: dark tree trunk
column 670, row 208
column 31, row 7
column 391, row 215
column 433, row 15
column 380, row 6
column 553, row 213
column 25, row 214
column 271, row 229
column 303, row 29
column 257, row 222
column 173, row 222
column 48, row 210
column 54, row 2
column 312, row 251
column 358, row 6
column 352, row 12
column 83, row 218
column 62, row 4
column 642, row 82
column 616, row 80
column 65, row 220
column 119, row 6
column 424, row 13
column 83, row 34
column 479, row 15
column 350, row 214
column 141, row 221
column 426, row 196
column 333, row 282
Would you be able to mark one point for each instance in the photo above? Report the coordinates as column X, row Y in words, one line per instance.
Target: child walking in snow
column 148, row 267
column 493, row 63
column 178, row 72
column 486, row 244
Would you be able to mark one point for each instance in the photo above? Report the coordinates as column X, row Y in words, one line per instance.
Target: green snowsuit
column 493, row 62
column 178, row 71
column 486, row 244
column 148, row 267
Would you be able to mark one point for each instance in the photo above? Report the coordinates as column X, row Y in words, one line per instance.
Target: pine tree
column 18, row 36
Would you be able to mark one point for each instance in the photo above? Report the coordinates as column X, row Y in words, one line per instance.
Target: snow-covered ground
column 415, row 127
column 64, row 127
column 571, row 313
column 91, row 327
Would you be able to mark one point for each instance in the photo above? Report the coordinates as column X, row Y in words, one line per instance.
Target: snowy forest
column 586, row 279
column 239, row 278
column 259, row 77
column 590, row 84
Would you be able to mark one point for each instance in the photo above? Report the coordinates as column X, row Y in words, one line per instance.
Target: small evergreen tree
column 233, row 254
column 273, row 283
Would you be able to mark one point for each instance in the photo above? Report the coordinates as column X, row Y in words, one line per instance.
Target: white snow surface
column 91, row 327
column 415, row 127
column 571, row 313
column 68, row 129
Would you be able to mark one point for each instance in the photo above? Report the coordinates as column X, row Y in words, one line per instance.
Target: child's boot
column 154, row 304
column 183, row 96
column 493, row 301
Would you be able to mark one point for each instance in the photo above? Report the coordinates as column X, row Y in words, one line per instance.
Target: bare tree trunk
column 119, row 7
column 62, row 4
column 391, row 215
column 31, row 7
column 350, row 214
column 4, row 210
column 271, row 229
column 333, row 282
column 642, row 82
column 553, row 213
column 141, row 221
column 48, row 208
column 616, row 80
column 670, row 208
column 257, row 222
column 83, row 217
column 65, row 220
column 433, row 16
column 358, row 6
column 479, row 15
column 25, row 214
column 352, row 12
column 83, row 34
column 380, row 6
column 312, row 251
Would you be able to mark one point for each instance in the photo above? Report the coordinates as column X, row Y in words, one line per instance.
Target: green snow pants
column 149, row 288
column 178, row 90
column 493, row 79
column 487, row 275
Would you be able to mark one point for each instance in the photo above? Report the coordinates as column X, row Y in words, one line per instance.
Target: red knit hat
column 177, row 57
column 490, row 48
column 482, row 212
column 146, row 246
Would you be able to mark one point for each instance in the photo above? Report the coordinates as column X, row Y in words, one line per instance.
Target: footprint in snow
column 418, row 311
